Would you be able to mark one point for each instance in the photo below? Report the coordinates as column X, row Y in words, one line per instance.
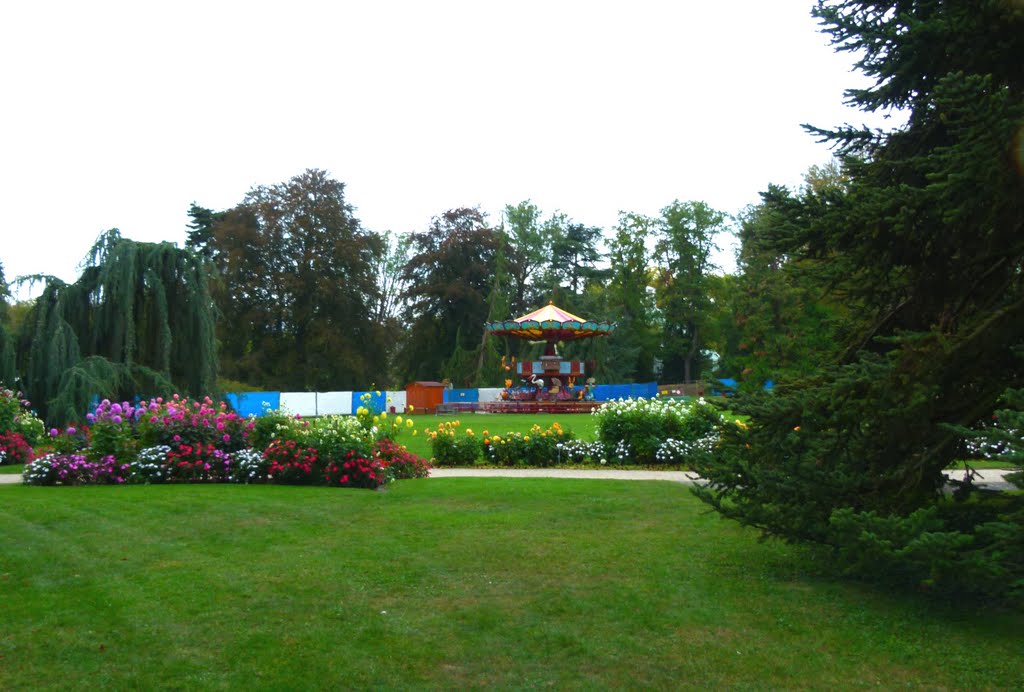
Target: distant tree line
column 288, row 291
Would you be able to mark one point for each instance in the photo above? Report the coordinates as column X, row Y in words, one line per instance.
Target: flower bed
column 654, row 432
column 184, row 441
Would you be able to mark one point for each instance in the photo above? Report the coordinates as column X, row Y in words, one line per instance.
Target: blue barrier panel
column 252, row 403
column 611, row 392
column 378, row 400
column 643, row 390
column 461, row 396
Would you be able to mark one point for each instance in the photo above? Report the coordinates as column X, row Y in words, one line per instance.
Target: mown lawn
column 452, row 583
column 583, row 425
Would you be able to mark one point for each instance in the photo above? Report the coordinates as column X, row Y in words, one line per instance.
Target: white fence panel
column 396, row 399
column 490, row 394
column 334, row 403
column 301, row 403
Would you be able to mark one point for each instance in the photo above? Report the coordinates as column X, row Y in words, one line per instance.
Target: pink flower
column 226, row 438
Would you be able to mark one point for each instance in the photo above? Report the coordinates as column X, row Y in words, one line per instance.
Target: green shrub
column 953, row 548
column 658, row 431
column 399, row 462
column 334, row 437
column 273, row 425
column 536, row 448
column 16, row 417
column 449, row 448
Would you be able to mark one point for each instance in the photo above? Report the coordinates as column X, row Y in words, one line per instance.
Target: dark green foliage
column 630, row 356
column 951, row 547
column 139, row 321
column 926, row 242
column 8, row 373
column 448, row 298
column 685, row 239
column 772, row 321
column 297, row 287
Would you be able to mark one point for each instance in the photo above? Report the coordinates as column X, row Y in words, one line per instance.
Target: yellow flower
column 526, row 438
column 486, row 433
column 398, row 420
column 376, row 419
column 414, row 432
column 384, row 415
column 408, row 424
column 377, row 392
column 411, row 408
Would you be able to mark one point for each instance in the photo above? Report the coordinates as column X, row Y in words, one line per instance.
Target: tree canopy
column 297, row 286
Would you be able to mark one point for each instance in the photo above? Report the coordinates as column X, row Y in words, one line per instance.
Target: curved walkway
column 605, row 474
column 988, row 478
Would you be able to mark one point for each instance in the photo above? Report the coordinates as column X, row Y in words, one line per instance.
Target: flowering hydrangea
column 657, row 431
column 580, row 452
column 150, row 465
column 250, row 466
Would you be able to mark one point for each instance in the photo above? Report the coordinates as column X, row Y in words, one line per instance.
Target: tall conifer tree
column 927, row 240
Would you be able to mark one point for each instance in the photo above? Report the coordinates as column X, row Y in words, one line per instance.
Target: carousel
column 551, row 383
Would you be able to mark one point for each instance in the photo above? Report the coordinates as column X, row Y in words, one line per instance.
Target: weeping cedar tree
column 139, row 321
column 926, row 244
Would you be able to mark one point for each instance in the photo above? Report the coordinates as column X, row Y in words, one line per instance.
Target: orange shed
column 424, row 397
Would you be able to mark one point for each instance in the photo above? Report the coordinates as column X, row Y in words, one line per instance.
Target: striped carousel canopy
column 550, row 323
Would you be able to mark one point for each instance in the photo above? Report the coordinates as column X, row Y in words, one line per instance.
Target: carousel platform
column 519, row 407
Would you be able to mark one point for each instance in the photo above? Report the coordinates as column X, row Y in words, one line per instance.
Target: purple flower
column 71, row 431
column 53, row 432
column 117, row 420
column 91, row 418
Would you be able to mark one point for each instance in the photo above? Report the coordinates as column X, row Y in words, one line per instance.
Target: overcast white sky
column 120, row 114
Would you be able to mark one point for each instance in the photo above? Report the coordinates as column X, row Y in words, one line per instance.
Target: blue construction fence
column 347, row 403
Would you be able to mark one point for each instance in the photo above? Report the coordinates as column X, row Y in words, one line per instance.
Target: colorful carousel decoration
column 551, row 378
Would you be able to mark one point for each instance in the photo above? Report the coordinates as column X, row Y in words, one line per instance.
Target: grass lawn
column 453, row 583
column 12, row 468
column 582, row 424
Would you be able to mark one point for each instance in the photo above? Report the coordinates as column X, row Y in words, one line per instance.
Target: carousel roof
column 550, row 323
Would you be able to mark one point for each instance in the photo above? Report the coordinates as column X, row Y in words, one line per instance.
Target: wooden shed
column 424, row 397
